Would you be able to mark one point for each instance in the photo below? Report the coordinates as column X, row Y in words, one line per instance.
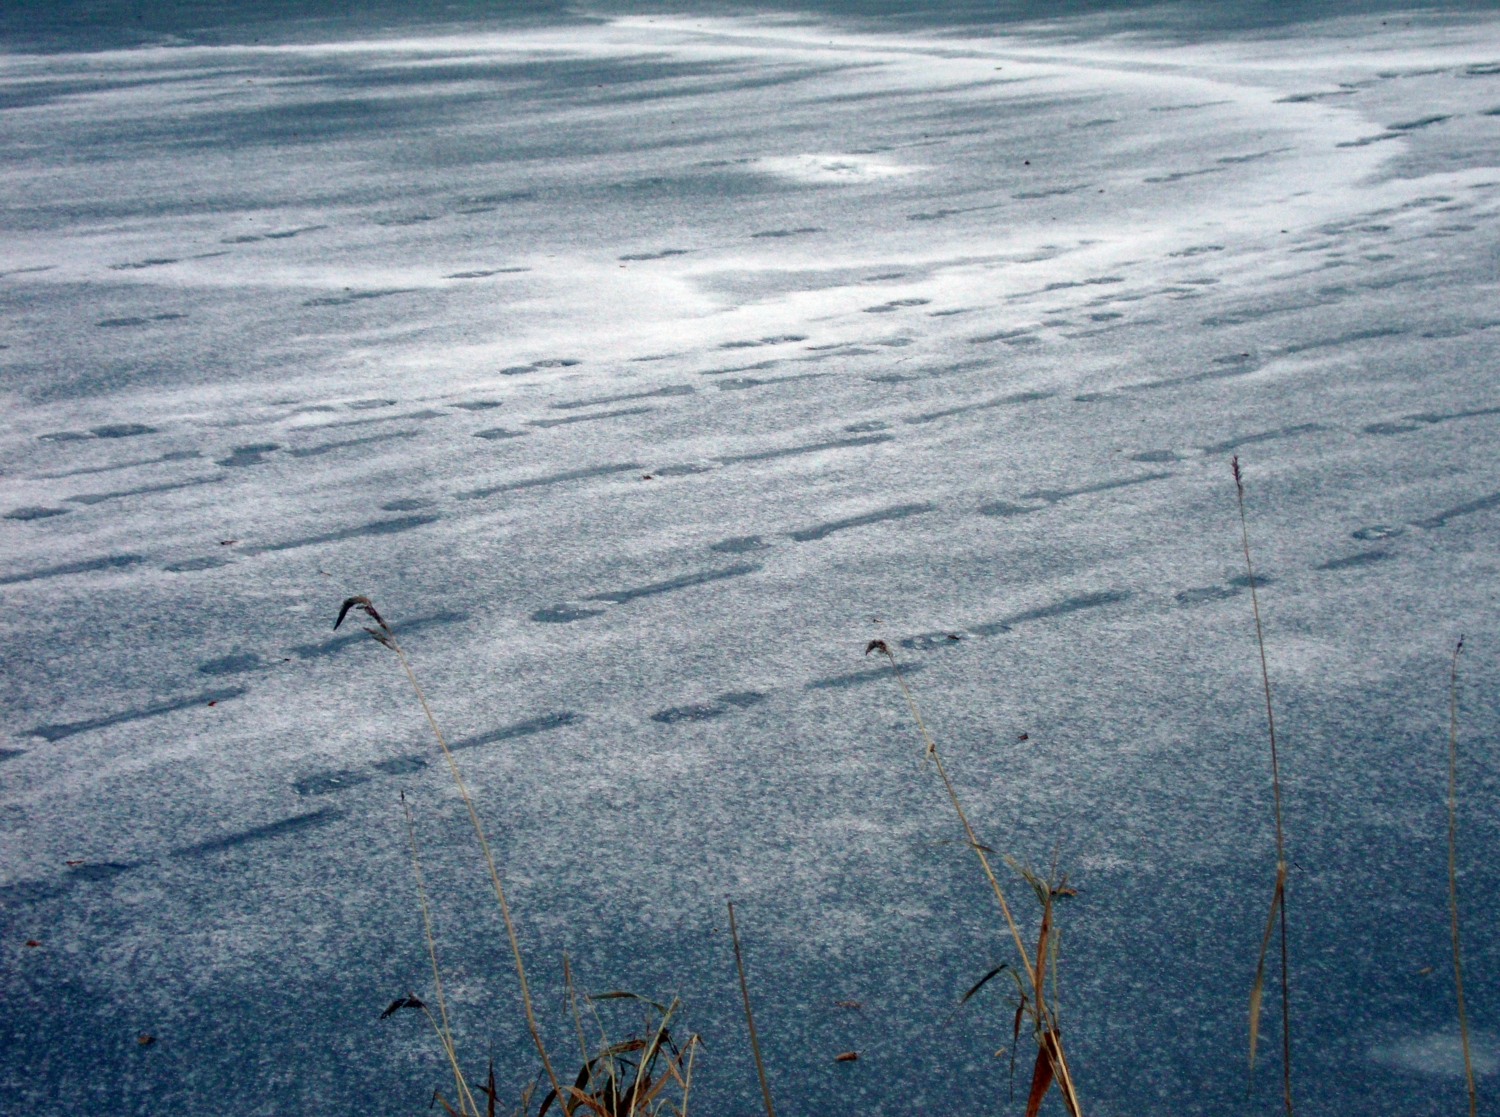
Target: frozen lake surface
column 642, row 369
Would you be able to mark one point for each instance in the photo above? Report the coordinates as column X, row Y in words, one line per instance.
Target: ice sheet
column 642, row 369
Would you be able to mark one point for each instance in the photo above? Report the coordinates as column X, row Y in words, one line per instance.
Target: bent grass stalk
column 385, row 636
column 1051, row 1060
column 760, row 1067
column 444, row 1032
column 1458, row 970
column 1278, row 896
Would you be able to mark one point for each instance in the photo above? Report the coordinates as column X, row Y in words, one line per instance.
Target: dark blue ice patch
column 144, row 490
column 400, row 765
column 984, row 405
column 100, row 870
column 406, row 504
column 812, row 448
column 297, row 824
column 676, row 714
column 662, row 255
column 1262, row 436
column 11, row 754
column 65, row 436
column 495, row 433
column 1364, row 558
column 867, row 426
column 1002, row 335
column 1345, row 338
column 1052, row 496
column 34, row 512
column 859, row 678
column 617, row 413
column 1005, row 508
column 1480, row 505
column 551, row 479
column 1154, row 456
column 931, row 641
column 122, row 430
column 778, row 233
column 1412, row 422
column 326, row 447
column 88, row 566
column 483, row 274
column 738, row 545
column 527, row 728
column 478, row 405
column 1378, row 531
column 61, row 730
column 1243, row 581
column 685, row 581
column 774, row 339
column 187, row 566
column 600, row 401
column 895, row 305
column 1056, row 609
column 401, row 628
column 254, row 454
column 379, row 527
column 358, row 296
column 231, row 664
column 896, row 512
column 328, row 782
column 1054, row 192
column 1178, row 176
column 563, row 614
column 723, row 704
column 1206, row 593
column 114, row 323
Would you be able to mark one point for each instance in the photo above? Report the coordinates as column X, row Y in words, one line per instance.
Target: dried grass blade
column 1041, row 1080
column 760, row 1067
column 1260, row 967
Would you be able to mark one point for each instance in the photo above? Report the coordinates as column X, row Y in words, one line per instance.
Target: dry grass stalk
column 1278, row 897
column 444, row 1032
column 383, row 634
column 1051, row 1063
column 1458, row 970
column 760, row 1067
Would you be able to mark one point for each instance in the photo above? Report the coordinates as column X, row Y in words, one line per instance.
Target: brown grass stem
column 387, row 637
column 445, row 1033
column 1278, row 900
column 1047, row 1031
column 760, row 1067
column 1458, row 970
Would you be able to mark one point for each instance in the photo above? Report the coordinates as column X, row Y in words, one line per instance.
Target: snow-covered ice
column 643, row 368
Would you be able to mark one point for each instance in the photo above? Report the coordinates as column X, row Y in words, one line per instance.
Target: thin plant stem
column 760, row 1068
column 1265, row 676
column 687, row 1083
column 1060, row 1069
column 489, row 860
column 583, row 1047
column 388, row 638
column 1458, row 970
column 445, row 1032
